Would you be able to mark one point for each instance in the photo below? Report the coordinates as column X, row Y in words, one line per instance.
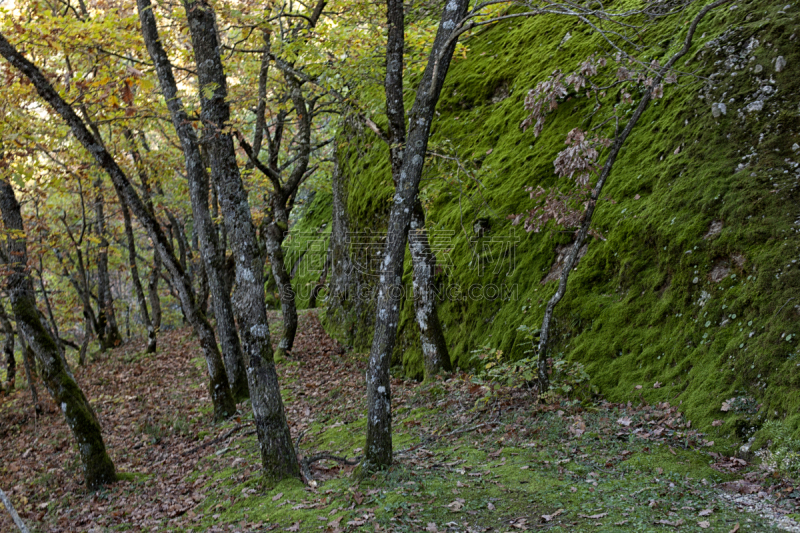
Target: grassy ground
column 471, row 456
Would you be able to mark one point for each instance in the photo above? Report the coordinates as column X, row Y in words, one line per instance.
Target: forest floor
column 470, row 457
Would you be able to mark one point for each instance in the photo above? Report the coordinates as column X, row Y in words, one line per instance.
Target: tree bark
column 97, row 466
column 275, row 235
column 30, row 372
column 106, row 317
column 8, row 348
column 137, row 283
column 435, row 355
column 155, row 271
column 219, row 389
column 323, row 277
column 199, row 191
column 378, row 449
column 277, row 451
column 434, row 347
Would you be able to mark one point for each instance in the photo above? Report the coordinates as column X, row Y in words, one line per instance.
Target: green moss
column 633, row 312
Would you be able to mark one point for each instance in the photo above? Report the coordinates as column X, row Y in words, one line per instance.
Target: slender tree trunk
column 30, row 372
column 434, row 346
column 106, row 317
column 323, row 277
column 155, row 272
column 152, row 294
column 277, row 450
column 87, row 337
column 378, row 447
column 275, row 236
column 8, row 348
column 97, row 466
column 342, row 287
column 219, row 389
column 46, row 298
column 199, row 192
column 544, row 335
column 137, row 283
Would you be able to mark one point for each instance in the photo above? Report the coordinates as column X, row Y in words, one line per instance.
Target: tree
column 219, row 389
column 97, row 466
column 579, row 160
column 379, row 429
column 197, row 176
column 434, row 347
column 277, row 451
column 8, row 349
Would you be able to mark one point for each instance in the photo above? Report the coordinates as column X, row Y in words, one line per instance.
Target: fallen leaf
column 705, row 512
column 657, row 385
column 624, row 421
column 716, row 423
column 725, row 407
column 549, row 517
column 431, row 528
column 456, row 505
column 490, row 506
column 594, row 516
column 294, row 527
column 705, row 524
column 277, row 497
column 735, row 528
column 739, row 486
column 676, row 523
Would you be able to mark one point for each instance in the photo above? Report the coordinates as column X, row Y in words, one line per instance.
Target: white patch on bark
column 452, row 5
column 245, row 274
column 382, row 389
column 260, row 331
column 64, row 407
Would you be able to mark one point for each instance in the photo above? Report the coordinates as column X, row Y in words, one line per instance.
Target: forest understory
column 468, row 457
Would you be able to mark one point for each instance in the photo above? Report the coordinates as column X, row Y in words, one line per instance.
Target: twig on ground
column 434, row 438
column 14, row 516
column 218, row 439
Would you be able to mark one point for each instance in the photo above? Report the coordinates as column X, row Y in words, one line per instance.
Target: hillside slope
column 694, row 291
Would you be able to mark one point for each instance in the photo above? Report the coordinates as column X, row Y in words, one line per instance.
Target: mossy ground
column 470, row 456
column 709, row 315
column 512, row 467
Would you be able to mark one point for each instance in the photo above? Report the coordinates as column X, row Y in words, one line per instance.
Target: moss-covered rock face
column 693, row 294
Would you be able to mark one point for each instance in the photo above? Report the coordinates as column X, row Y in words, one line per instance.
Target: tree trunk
column 434, row 347
column 199, row 192
column 152, row 295
column 323, row 277
column 8, row 348
column 342, row 287
column 219, row 389
column 30, row 372
column 137, row 283
column 378, row 447
column 544, row 335
column 277, row 450
column 275, row 236
column 97, row 466
column 106, row 317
